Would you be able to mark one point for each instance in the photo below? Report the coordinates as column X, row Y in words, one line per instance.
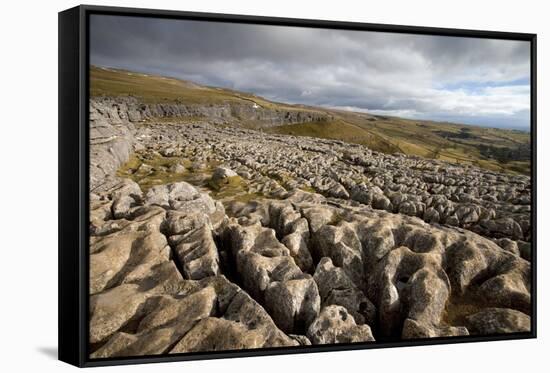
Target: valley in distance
column 220, row 220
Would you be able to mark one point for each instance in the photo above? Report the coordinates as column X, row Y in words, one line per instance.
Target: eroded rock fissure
column 173, row 255
column 227, row 262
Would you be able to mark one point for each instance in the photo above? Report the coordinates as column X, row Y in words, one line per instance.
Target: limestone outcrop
column 211, row 237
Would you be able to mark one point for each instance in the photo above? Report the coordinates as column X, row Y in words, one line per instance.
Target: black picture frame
column 73, row 181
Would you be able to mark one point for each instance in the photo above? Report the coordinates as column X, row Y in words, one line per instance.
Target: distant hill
column 490, row 148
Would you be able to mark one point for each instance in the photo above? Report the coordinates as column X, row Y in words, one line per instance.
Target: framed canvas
column 233, row 186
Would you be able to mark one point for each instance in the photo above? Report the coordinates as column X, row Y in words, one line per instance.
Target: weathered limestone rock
column 129, row 252
column 395, row 276
column 179, row 196
column 415, row 329
column 341, row 244
column 112, row 309
column 214, row 334
column 182, row 222
column 166, row 320
column 247, row 312
column 198, row 254
column 335, row 287
column 414, row 236
column 498, row 321
column 298, row 248
column 223, row 173
column 510, row 288
column 293, row 304
column 427, row 295
column 336, row 325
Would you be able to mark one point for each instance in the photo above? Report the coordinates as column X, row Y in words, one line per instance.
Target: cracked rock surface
column 207, row 237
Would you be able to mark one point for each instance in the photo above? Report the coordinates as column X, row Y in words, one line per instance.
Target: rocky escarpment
column 111, row 141
column 220, row 238
column 112, row 124
column 246, row 110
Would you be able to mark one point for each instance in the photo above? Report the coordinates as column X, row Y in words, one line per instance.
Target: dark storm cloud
column 468, row 80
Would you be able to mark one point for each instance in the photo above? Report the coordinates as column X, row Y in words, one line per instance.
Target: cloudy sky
column 464, row 80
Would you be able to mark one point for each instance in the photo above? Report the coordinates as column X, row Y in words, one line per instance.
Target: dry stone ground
column 208, row 237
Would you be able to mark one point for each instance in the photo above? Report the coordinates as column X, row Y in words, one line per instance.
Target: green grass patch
column 155, row 171
column 149, row 171
column 336, row 130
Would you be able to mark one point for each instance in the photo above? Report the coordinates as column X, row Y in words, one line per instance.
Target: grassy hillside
column 337, row 130
column 495, row 149
column 490, row 148
column 159, row 89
